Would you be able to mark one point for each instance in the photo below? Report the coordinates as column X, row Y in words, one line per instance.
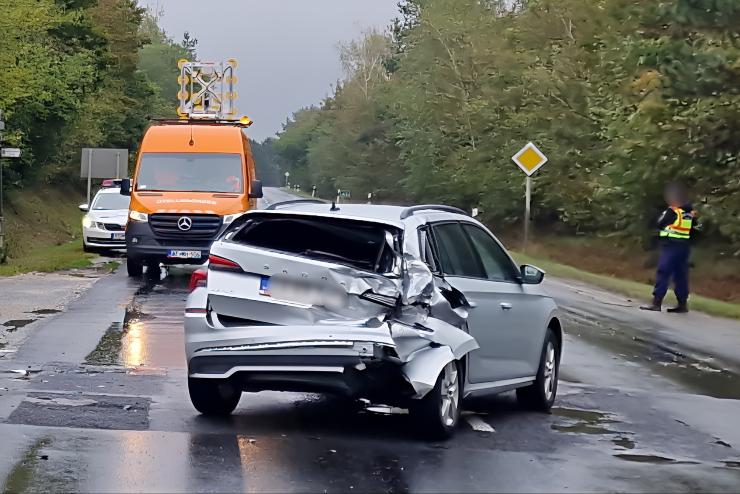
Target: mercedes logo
column 185, row 223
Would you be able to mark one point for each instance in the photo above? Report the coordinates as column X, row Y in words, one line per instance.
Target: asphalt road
column 649, row 402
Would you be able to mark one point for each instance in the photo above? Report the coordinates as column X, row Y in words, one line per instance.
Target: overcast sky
column 287, row 49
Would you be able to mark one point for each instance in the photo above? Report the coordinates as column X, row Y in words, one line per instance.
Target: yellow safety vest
column 681, row 228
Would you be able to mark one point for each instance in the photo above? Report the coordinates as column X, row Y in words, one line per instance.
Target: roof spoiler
column 277, row 205
column 431, row 207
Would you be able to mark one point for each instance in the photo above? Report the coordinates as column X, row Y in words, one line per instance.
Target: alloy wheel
column 449, row 394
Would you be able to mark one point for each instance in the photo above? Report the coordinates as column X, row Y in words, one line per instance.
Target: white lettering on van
column 186, row 201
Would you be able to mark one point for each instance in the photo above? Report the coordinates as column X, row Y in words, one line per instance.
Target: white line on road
column 478, row 424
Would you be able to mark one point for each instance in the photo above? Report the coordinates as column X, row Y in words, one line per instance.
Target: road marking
column 478, row 424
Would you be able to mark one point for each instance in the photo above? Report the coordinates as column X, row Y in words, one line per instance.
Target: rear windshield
column 352, row 243
column 191, row 172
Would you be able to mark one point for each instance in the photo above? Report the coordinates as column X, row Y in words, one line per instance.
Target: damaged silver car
column 415, row 307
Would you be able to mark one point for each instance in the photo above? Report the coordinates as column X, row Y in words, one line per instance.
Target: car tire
column 541, row 394
column 213, row 397
column 134, row 266
column 87, row 249
column 438, row 412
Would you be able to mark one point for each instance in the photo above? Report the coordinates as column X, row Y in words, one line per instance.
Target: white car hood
column 118, row 216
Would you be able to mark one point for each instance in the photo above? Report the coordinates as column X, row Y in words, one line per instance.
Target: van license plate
column 184, row 254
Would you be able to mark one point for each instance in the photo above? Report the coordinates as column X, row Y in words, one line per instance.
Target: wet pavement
column 95, row 400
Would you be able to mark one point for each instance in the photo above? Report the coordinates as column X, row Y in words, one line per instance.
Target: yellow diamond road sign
column 530, row 159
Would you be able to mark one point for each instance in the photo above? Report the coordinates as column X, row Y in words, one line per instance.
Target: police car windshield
column 191, row 172
column 110, row 202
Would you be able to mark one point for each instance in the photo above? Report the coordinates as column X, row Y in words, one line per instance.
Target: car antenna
column 334, row 206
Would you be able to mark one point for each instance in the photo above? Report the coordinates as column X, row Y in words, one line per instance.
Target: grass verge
column 47, row 259
column 629, row 288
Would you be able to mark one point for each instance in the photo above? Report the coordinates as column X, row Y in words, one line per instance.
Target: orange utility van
column 192, row 179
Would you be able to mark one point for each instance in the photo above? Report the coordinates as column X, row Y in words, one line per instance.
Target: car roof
column 373, row 212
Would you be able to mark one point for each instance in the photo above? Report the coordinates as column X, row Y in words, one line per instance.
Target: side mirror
column 532, row 275
column 84, row 207
column 126, row 187
column 255, row 191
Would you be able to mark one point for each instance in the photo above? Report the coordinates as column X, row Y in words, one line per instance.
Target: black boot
column 681, row 308
column 655, row 306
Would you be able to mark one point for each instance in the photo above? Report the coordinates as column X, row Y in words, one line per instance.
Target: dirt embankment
column 43, row 229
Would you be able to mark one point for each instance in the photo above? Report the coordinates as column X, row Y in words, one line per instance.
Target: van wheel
column 214, row 397
column 134, row 266
column 438, row 412
column 540, row 395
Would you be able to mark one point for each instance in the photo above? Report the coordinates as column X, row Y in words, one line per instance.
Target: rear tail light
column 222, row 264
column 199, row 278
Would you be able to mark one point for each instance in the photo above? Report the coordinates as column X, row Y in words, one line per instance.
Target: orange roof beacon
column 193, row 176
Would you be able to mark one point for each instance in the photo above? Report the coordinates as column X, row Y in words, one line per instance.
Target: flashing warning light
column 246, row 121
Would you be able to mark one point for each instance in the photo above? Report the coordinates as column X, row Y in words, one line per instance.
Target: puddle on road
column 45, row 312
column 592, row 422
column 663, row 358
column 15, row 324
column 583, row 421
column 624, row 442
column 111, row 346
column 654, row 459
column 127, row 343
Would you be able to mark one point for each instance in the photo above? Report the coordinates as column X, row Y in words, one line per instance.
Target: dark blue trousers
column 673, row 265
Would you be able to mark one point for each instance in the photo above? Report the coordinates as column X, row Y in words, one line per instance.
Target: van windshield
column 191, row 172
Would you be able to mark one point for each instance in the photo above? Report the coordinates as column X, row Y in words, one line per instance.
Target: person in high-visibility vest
column 676, row 225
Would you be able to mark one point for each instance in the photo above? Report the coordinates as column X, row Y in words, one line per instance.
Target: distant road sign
column 104, row 163
column 10, row 153
column 530, row 159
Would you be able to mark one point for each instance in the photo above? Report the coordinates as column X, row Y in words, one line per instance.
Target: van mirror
column 532, row 275
column 84, row 207
column 126, row 187
column 255, row 191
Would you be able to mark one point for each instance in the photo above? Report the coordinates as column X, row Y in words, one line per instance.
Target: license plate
column 118, row 236
column 304, row 293
column 184, row 254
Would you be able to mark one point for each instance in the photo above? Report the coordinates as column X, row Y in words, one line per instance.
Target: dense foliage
column 79, row 73
column 622, row 95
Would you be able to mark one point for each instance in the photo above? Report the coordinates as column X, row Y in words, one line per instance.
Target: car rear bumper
column 348, row 361
column 142, row 242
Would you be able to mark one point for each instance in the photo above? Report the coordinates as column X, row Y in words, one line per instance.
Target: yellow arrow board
column 530, row 159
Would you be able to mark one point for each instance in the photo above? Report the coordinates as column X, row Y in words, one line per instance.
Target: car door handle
column 506, row 306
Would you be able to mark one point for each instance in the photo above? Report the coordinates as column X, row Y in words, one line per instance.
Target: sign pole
column 118, row 165
column 527, row 211
column 89, row 175
column 529, row 159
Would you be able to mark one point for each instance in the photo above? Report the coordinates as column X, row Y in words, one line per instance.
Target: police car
column 104, row 224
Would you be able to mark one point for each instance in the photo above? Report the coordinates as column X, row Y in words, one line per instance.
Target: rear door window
column 456, row 254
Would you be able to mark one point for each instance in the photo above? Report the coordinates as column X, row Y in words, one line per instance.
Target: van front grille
column 204, row 226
